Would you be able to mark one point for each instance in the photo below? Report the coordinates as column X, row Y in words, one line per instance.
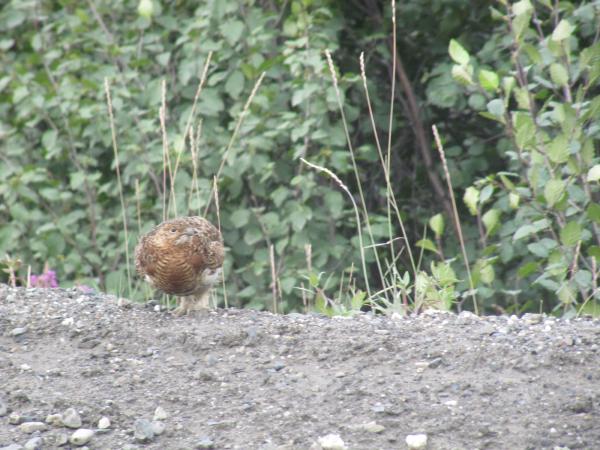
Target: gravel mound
column 92, row 371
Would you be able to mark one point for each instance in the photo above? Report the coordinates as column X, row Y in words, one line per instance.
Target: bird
column 182, row 257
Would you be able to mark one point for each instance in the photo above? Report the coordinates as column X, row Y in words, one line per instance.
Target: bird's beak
column 189, row 231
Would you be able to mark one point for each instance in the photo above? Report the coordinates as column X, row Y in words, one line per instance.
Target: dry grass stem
column 335, row 178
column 353, row 159
column 438, row 143
column 188, row 124
column 118, row 170
column 218, row 208
column 138, row 205
column 236, row 131
column 273, row 277
column 166, row 157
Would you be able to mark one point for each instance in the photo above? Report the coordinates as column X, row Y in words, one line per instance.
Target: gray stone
column 158, row 427
column 54, row 420
column 71, row 418
column 160, row 413
column 332, row 442
column 104, row 423
column 416, row 441
column 18, row 331
column 81, row 436
column 142, row 430
column 31, row 427
column 205, row 442
column 34, row 443
column 55, row 439
column 3, row 407
column 12, row 447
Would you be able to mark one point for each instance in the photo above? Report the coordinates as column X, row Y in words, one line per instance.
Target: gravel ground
column 137, row 377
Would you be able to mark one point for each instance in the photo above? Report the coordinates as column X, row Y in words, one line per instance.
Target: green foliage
column 537, row 225
column 513, row 93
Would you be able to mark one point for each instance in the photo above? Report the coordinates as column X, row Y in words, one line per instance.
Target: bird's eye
column 173, row 230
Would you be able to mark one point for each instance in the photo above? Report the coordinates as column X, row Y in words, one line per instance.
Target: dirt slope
column 252, row 380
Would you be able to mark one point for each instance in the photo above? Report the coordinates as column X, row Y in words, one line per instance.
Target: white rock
column 416, row 441
column 332, row 442
column 31, row 427
column 158, row 427
column 35, row 443
column 160, row 413
column 81, row 436
column 104, row 423
column 54, row 420
column 71, row 418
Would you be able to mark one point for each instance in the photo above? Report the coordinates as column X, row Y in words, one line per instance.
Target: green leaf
column 513, row 200
column 527, row 269
column 593, row 212
column 559, row 74
column 558, row 150
column 471, row 198
column 562, row 31
column 594, row 173
column 427, row 244
column 457, row 52
column 489, row 80
column 232, row 31
column 462, row 74
column 522, row 7
column 436, row 223
column 570, row 234
column 491, row 220
column 235, row 84
column 240, row 218
column 594, row 252
column 145, row 8
column 496, row 107
column 524, row 231
column 553, row 191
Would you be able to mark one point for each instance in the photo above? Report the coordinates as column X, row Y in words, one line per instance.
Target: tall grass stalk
column 390, row 126
column 355, row 169
column 218, row 208
column 194, row 143
column 236, row 130
column 440, row 148
column 389, row 190
column 162, row 113
column 190, row 119
column 119, row 182
column 335, row 178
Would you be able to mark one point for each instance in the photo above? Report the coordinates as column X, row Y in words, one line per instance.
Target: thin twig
column 438, row 143
column 118, row 170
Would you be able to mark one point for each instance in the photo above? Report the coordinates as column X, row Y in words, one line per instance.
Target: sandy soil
column 241, row 379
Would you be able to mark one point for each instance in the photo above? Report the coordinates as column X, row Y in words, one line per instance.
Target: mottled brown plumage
column 182, row 257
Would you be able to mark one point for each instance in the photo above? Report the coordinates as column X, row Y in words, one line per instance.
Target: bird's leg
column 184, row 307
column 201, row 301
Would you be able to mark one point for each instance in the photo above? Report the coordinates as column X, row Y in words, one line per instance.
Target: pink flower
column 45, row 280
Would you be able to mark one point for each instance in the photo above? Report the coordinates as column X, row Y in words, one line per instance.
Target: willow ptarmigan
column 182, row 257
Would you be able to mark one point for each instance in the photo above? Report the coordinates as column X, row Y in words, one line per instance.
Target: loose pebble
column 143, row 431
column 71, row 418
column 104, row 423
column 81, row 436
column 18, row 331
column 54, row 420
column 31, row 427
column 158, row 427
column 416, row 441
column 35, row 443
column 332, row 442
column 204, row 443
column 160, row 413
